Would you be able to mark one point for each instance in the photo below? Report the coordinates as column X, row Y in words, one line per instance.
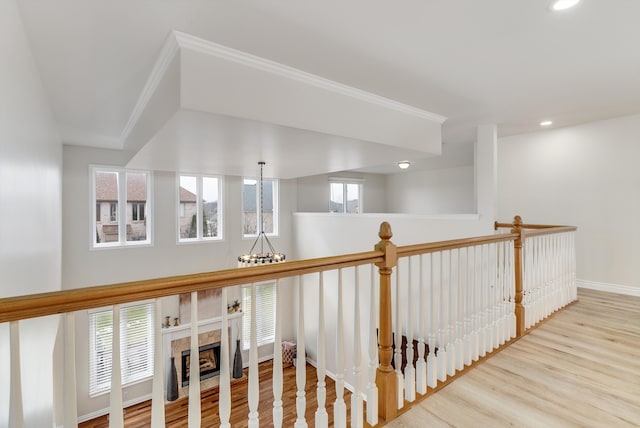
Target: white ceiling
column 509, row 62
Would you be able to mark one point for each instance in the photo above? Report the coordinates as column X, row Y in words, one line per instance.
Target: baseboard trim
column 102, row 412
column 610, row 288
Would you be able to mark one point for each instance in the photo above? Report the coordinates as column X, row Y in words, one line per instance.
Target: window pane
column 188, row 219
column 209, row 207
column 353, row 198
column 249, row 204
column 336, row 204
column 136, row 196
column 268, row 206
column 265, row 314
column 106, row 194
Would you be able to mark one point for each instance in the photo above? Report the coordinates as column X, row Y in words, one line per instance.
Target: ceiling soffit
column 193, row 75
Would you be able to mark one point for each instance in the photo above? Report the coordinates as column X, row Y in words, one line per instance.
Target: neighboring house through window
column 199, row 208
column 122, row 206
column 251, row 205
column 345, row 196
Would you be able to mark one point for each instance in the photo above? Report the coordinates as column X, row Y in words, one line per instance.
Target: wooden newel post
column 517, row 228
column 385, row 375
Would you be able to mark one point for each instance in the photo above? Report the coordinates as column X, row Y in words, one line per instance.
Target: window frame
column 276, row 206
column 245, row 342
column 120, row 208
column 181, row 209
column 96, row 388
column 345, row 182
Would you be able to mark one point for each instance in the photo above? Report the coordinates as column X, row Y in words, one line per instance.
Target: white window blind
column 265, row 314
column 136, row 346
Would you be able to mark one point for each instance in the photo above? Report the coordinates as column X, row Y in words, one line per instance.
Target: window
column 138, row 211
column 251, row 206
column 345, row 196
column 199, row 210
column 136, row 346
column 265, row 314
column 125, row 195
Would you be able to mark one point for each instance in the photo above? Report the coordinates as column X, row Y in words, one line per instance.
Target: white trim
column 451, row 217
column 102, row 412
column 332, row 375
column 347, row 180
column 167, row 54
column 187, row 41
column 610, row 288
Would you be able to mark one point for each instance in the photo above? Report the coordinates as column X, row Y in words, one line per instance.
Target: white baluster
column 372, row 389
column 482, row 316
column 157, row 390
column 301, row 361
column 409, row 370
column 254, row 380
column 340, row 407
column 224, row 400
column 442, row 340
column 70, row 415
column 451, row 322
column 432, row 361
column 194, row 419
column 356, row 398
column 459, row 313
column 16, row 415
column 475, row 306
column 468, row 304
column 322, row 417
column 421, row 364
column 398, row 337
column 277, row 361
column 116, row 416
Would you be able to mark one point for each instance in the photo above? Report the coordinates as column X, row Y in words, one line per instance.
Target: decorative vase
column 172, row 383
column 237, row 362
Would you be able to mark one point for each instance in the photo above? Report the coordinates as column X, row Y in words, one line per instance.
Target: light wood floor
column 581, row 368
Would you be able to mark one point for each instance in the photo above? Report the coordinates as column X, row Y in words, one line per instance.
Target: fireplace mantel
column 171, row 334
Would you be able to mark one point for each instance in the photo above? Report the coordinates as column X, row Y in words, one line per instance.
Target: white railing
column 458, row 300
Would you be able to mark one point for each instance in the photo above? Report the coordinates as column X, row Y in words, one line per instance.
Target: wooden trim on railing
column 57, row 302
column 413, row 250
column 550, row 231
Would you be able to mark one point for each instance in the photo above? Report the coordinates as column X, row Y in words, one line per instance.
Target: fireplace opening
column 209, row 362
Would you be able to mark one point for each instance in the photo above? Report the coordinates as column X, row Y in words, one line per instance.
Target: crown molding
column 167, row 55
column 187, row 41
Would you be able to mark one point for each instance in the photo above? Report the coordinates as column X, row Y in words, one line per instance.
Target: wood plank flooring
column 581, row 368
column 138, row 416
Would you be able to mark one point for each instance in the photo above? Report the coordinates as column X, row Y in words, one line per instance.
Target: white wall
column 587, row 176
column 313, row 192
column 437, row 191
column 82, row 267
column 30, row 218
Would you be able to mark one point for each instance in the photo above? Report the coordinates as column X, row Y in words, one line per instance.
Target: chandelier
column 264, row 255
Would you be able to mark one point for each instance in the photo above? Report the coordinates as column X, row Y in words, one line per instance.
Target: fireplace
column 209, row 362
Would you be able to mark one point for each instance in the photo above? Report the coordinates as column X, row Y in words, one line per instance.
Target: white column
column 340, row 407
column 322, row 417
column 224, row 397
column 254, row 381
column 277, row 361
column 372, row 389
column 116, row 414
column 356, row 398
column 157, row 390
column 70, row 416
column 16, row 414
column 194, row 372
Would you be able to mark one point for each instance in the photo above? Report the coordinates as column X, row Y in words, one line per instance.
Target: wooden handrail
column 412, row 250
column 57, row 302
column 550, row 230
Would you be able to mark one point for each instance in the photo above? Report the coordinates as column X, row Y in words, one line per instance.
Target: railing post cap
column 385, row 231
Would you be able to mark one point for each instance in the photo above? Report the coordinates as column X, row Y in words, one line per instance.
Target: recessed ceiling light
column 404, row 164
column 564, row 4
column 546, row 123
